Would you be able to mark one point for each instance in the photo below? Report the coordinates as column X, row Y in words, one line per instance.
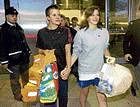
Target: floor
column 125, row 100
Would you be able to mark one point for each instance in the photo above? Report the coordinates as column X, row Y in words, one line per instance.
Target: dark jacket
column 13, row 46
column 131, row 41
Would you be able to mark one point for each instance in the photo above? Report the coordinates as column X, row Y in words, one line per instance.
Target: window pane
column 2, row 14
column 118, row 15
column 137, row 9
column 72, row 8
column 31, row 12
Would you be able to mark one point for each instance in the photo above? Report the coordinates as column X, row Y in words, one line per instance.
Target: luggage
column 43, row 79
column 30, row 90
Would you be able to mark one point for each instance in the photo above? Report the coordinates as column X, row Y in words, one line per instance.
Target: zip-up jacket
column 13, row 46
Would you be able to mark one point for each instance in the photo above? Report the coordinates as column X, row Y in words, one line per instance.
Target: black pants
column 18, row 71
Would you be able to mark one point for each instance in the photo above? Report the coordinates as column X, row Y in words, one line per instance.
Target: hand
column 65, row 73
column 127, row 57
column 110, row 60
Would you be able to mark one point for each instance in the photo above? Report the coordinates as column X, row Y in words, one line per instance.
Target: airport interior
column 115, row 17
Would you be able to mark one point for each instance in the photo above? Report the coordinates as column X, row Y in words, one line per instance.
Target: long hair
column 88, row 12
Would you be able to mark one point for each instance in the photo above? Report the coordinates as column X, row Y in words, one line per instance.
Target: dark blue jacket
column 131, row 42
column 13, row 46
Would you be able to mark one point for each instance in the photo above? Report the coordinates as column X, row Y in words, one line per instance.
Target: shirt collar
column 11, row 24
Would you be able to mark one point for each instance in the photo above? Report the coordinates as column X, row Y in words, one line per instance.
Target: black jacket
column 131, row 42
column 13, row 46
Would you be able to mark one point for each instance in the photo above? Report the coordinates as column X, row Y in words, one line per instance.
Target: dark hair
column 62, row 16
column 74, row 19
column 47, row 11
column 88, row 12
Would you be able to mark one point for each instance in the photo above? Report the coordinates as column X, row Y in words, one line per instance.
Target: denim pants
column 18, row 71
column 62, row 94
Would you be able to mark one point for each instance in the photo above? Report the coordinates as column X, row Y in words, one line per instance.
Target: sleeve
column 69, row 36
column 107, row 38
column 39, row 41
column 3, row 49
column 77, row 48
column 127, row 38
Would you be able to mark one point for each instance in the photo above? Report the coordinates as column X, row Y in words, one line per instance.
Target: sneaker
column 133, row 91
column 18, row 97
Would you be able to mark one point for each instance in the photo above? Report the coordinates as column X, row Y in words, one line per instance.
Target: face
column 54, row 17
column 12, row 18
column 63, row 22
column 94, row 18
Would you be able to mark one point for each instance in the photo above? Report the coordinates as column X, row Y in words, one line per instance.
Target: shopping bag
column 49, row 83
column 30, row 90
column 115, row 79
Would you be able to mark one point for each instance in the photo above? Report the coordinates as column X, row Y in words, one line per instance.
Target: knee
column 101, row 97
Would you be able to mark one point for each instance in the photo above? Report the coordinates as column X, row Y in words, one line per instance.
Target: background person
column 131, row 48
column 74, row 23
column 14, row 52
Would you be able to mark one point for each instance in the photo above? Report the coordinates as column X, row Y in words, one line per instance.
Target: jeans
column 62, row 94
column 18, row 71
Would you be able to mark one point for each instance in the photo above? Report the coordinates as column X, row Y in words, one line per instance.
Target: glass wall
column 118, row 11
column 135, row 9
column 2, row 17
column 71, row 8
column 118, row 19
column 31, row 12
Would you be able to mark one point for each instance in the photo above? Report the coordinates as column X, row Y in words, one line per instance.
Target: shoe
column 133, row 91
column 18, row 97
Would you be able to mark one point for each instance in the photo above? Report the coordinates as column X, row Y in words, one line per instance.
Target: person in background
column 90, row 47
column 131, row 48
column 74, row 23
column 58, row 38
column 14, row 52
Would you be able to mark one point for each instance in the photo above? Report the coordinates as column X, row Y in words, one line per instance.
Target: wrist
column 68, row 69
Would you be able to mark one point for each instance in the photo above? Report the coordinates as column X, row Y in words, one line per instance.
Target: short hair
column 74, row 19
column 49, row 8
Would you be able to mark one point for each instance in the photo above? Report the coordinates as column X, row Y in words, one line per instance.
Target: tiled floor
column 126, row 100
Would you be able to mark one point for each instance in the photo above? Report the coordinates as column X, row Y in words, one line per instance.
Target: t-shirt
column 55, row 39
column 89, row 46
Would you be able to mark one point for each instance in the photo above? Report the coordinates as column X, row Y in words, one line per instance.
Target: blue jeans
column 62, row 94
column 51, row 105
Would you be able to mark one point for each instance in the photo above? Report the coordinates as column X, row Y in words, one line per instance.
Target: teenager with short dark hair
column 55, row 37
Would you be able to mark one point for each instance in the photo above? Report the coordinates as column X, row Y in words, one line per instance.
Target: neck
column 11, row 23
column 92, row 26
column 52, row 27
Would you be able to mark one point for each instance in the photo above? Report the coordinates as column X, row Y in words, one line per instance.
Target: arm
column 68, row 55
column 65, row 73
column 3, row 48
column 108, row 57
column 73, row 59
column 126, row 43
column 106, row 52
